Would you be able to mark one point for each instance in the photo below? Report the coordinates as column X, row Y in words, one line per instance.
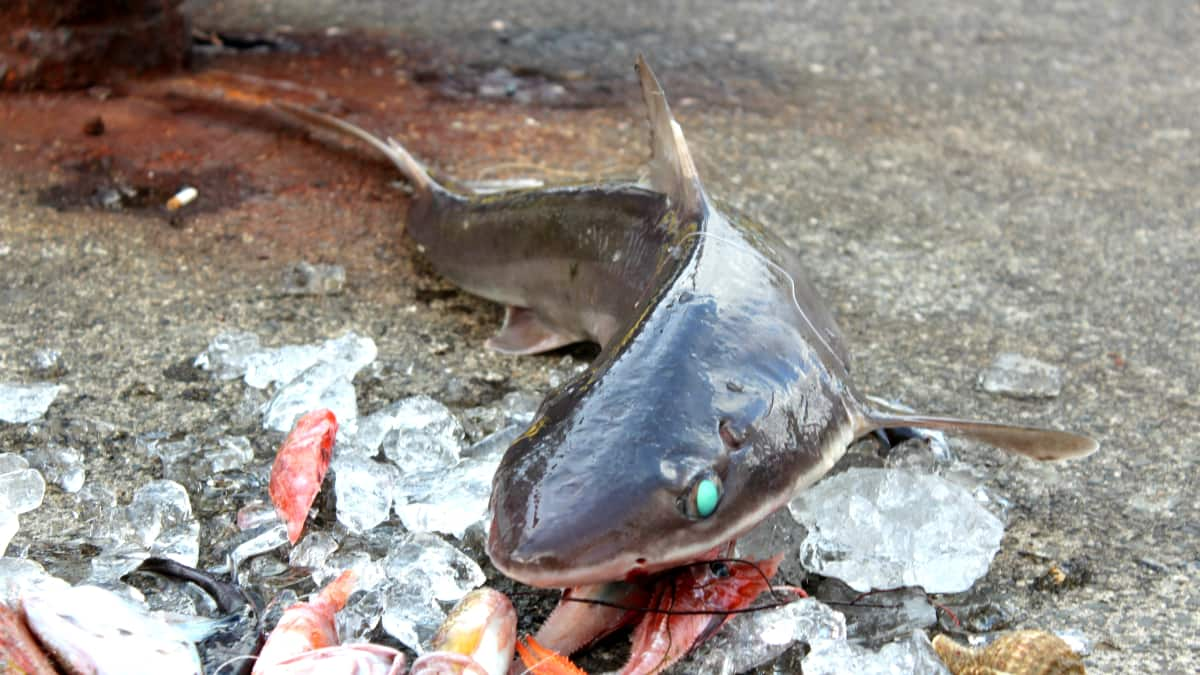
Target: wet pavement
column 965, row 181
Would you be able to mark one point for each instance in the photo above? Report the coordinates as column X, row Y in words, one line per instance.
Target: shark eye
column 702, row 499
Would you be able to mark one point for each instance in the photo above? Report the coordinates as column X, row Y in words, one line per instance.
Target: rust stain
column 264, row 182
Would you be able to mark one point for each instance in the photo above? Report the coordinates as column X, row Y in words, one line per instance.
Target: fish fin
column 1033, row 442
column 413, row 171
column 539, row 660
column 524, row 333
column 672, row 171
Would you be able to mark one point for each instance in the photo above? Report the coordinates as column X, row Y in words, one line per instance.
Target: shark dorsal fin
column 672, row 171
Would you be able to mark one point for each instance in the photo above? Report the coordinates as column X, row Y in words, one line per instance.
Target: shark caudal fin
column 672, row 171
column 417, row 176
column 1036, row 443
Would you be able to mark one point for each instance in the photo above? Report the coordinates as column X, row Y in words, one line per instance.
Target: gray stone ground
column 964, row 178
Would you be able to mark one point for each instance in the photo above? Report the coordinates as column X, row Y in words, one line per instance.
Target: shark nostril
column 733, row 438
column 641, row 561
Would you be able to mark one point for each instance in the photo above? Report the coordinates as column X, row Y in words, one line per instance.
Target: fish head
column 676, row 443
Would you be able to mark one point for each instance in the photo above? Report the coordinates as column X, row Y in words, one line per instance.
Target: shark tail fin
column 423, row 184
column 1036, row 443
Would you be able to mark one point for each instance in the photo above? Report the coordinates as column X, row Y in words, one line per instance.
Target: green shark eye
column 703, row 498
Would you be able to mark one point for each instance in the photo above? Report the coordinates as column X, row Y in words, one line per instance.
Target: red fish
column 299, row 468
column 685, row 607
column 306, row 626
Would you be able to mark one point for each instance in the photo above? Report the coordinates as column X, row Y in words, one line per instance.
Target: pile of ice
column 21, row 491
column 409, row 489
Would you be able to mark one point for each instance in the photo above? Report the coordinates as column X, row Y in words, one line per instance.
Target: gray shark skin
column 719, row 364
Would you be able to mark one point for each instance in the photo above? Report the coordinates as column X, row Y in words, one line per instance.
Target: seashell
column 1022, row 652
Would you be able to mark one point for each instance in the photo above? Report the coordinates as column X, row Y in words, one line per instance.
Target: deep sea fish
column 722, row 387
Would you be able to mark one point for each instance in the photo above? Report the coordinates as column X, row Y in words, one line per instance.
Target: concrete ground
column 964, row 179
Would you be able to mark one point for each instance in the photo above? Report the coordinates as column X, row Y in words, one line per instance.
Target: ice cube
column 879, row 617
column 239, row 354
column 453, row 500
column 364, row 491
column 304, row 278
column 321, row 386
column 228, row 354
column 20, row 403
column 430, row 561
column 279, row 365
column 357, row 621
column 417, row 434
column 115, row 561
column 260, row 540
column 752, row 639
column 10, row 462
column 913, row 655
column 1021, row 377
column 47, row 363
column 411, row 613
column 368, row 573
column 876, row 528
column 60, row 465
column 21, row 491
column 9, row 526
column 161, row 517
column 313, row 550
column 227, row 453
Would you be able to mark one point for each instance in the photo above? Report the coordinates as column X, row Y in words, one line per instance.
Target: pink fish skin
column 299, row 468
column 19, row 650
column 306, row 626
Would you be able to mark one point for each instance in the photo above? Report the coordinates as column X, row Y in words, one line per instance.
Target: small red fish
column 306, row 626
column 19, row 650
column 689, row 602
column 299, row 468
column 685, row 606
column 475, row 639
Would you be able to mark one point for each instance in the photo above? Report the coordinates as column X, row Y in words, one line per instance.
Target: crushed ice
column 1020, row 376
column 877, row 528
column 20, row 403
column 916, row 525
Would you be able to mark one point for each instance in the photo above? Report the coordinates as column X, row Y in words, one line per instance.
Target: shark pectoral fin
column 1039, row 444
column 524, row 333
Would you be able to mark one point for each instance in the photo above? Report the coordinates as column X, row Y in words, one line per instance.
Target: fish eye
column 719, row 569
column 701, row 500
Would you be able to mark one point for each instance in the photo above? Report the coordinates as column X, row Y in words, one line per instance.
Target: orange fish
column 299, row 468
column 306, row 626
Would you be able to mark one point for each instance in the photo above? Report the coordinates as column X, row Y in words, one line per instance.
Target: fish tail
column 423, row 184
column 1036, row 443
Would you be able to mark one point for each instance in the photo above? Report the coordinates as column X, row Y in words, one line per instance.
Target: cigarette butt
column 182, row 198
